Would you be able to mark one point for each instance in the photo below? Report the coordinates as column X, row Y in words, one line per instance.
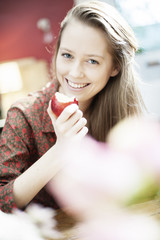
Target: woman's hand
column 70, row 123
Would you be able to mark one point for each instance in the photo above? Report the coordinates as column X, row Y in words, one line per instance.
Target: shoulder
column 32, row 108
column 35, row 101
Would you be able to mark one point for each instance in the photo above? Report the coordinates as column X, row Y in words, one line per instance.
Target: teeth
column 77, row 85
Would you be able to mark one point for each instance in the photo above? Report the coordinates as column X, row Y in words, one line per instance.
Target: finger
column 82, row 133
column 73, row 119
column 68, row 112
column 77, row 126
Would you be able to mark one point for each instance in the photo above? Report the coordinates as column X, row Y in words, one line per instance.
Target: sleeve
column 15, row 141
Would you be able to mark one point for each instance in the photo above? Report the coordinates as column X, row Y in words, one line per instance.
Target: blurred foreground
column 99, row 186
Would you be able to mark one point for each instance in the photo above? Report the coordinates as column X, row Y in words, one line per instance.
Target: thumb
column 50, row 113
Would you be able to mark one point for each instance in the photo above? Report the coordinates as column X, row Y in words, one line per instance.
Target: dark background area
column 19, row 35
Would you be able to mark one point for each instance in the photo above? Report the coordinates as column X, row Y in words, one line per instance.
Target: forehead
column 80, row 36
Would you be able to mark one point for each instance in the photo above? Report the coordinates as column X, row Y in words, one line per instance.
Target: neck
column 84, row 105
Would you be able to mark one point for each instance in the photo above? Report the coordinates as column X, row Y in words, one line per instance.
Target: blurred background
column 28, row 32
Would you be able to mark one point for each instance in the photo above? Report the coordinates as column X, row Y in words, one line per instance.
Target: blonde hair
column 120, row 97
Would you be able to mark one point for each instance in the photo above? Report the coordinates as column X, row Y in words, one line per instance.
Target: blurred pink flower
column 140, row 138
column 96, row 175
column 99, row 180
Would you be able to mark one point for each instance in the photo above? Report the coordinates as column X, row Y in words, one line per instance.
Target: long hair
column 120, row 97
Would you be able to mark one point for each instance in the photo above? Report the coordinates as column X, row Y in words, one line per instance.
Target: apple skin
column 59, row 101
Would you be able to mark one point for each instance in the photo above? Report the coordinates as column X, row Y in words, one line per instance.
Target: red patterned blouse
column 28, row 133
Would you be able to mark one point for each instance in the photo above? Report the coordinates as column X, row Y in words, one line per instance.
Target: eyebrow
column 88, row 55
column 65, row 49
column 94, row 55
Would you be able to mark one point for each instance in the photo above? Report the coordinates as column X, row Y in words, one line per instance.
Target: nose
column 76, row 70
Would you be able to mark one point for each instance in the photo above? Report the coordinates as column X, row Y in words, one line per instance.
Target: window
column 144, row 18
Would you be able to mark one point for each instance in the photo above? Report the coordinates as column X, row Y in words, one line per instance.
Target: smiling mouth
column 77, row 85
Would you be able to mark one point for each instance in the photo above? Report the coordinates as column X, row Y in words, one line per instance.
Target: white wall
column 149, row 70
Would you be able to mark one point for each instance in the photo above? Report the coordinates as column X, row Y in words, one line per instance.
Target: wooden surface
column 151, row 208
column 67, row 225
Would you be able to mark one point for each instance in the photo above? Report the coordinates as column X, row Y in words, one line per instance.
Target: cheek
column 101, row 77
column 61, row 67
column 106, row 74
column 59, row 72
column 58, row 64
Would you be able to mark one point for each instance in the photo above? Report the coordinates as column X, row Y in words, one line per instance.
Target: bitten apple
column 59, row 101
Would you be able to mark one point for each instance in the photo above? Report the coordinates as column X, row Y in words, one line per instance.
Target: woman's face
column 84, row 64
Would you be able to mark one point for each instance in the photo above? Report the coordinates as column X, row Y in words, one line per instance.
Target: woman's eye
column 67, row 55
column 92, row 61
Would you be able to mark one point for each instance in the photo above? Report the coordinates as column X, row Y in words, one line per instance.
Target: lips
column 77, row 85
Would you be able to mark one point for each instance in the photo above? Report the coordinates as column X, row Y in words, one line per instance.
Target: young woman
column 93, row 61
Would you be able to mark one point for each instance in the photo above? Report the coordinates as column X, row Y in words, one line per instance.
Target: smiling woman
column 93, row 61
column 82, row 69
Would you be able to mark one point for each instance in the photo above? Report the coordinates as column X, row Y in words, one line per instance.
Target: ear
column 115, row 71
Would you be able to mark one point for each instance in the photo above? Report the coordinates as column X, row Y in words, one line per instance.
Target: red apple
column 59, row 101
